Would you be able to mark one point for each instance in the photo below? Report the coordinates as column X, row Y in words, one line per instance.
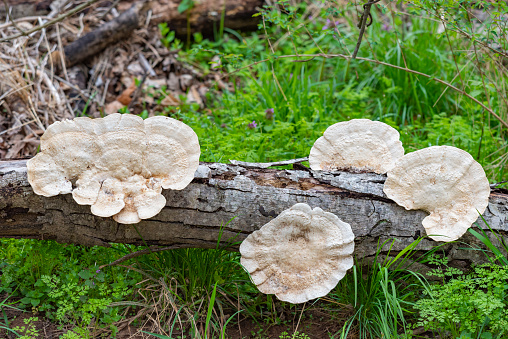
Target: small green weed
column 296, row 335
column 168, row 37
column 28, row 331
column 73, row 303
column 49, row 277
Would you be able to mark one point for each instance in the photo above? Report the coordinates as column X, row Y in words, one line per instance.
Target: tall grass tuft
column 382, row 294
column 498, row 254
column 189, row 288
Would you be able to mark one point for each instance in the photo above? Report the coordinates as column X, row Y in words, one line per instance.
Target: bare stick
column 363, row 24
column 7, row 10
column 148, row 71
column 108, row 33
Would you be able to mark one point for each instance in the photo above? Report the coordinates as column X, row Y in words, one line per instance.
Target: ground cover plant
column 287, row 83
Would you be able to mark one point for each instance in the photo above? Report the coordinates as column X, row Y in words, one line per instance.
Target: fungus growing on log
column 444, row 181
column 359, row 144
column 117, row 164
column 300, row 255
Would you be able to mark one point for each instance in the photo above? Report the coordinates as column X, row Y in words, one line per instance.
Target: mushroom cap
column 300, row 255
column 358, row 144
column 444, row 181
column 117, row 164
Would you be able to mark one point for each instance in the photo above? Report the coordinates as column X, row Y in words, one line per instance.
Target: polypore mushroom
column 444, row 181
column 300, row 255
column 118, row 164
column 358, row 144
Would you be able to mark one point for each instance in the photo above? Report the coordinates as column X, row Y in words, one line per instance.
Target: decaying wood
column 221, row 192
column 204, row 17
column 97, row 40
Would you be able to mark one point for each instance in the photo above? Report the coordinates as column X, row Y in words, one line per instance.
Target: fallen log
column 219, row 192
column 204, row 16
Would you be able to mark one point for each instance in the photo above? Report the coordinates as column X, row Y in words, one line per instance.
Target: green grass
column 381, row 292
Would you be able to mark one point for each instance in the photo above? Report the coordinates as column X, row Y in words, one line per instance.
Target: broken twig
column 363, row 24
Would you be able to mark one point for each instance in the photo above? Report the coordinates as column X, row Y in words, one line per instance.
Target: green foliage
column 78, row 302
column 282, row 130
column 471, row 305
column 168, row 36
column 49, row 277
column 306, row 97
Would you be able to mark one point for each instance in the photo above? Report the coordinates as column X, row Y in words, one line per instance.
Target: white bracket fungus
column 358, row 144
column 300, row 255
column 117, row 164
column 444, row 181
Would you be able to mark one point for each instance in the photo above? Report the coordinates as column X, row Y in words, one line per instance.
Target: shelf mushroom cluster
column 303, row 253
column 442, row 180
column 117, row 164
column 358, row 144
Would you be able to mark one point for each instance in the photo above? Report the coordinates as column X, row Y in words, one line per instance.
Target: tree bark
column 219, row 192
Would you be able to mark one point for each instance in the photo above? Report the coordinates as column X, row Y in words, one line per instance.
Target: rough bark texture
column 220, row 192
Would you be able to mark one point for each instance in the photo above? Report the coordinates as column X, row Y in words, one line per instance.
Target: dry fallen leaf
column 194, row 97
column 170, row 100
column 113, row 107
column 125, row 97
